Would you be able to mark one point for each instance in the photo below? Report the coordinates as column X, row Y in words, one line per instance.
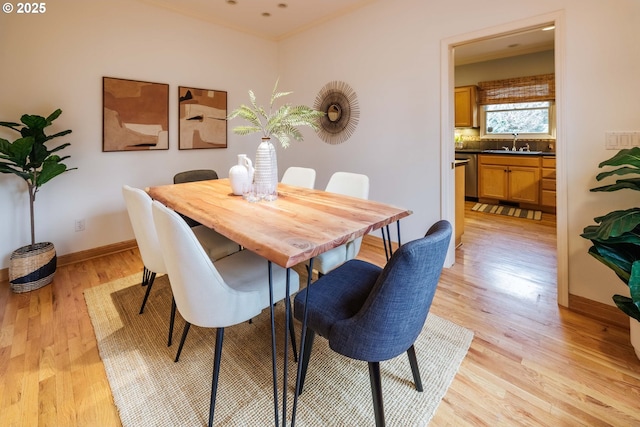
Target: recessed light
column 282, row 5
column 514, row 45
column 232, row 2
column 266, row 14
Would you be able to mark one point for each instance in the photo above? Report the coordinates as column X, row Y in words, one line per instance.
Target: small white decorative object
column 241, row 175
column 266, row 172
column 634, row 333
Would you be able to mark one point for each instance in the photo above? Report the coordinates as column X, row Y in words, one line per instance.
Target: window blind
column 517, row 89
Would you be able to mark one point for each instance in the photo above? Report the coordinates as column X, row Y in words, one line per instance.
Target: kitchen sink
column 515, row 153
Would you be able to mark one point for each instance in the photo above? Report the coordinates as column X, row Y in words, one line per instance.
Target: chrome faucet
column 515, row 138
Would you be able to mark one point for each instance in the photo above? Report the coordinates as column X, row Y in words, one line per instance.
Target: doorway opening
column 497, row 44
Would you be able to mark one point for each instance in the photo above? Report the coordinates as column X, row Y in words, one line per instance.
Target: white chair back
column 349, row 184
column 298, row 176
column 201, row 294
column 138, row 205
column 354, row 185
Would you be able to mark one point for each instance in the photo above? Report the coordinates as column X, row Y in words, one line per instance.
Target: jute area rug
column 149, row 389
column 508, row 211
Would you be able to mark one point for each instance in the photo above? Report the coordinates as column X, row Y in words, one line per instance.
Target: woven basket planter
column 32, row 267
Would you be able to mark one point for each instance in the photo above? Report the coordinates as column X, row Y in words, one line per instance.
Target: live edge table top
column 299, row 225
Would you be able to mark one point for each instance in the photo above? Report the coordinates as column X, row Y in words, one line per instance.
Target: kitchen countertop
column 504, row 152
column 468, row 150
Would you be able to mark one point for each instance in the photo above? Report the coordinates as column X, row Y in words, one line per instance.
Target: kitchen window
column 523, row 105
column 531, row 120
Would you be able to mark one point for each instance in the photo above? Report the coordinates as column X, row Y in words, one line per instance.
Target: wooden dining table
column 299, row 225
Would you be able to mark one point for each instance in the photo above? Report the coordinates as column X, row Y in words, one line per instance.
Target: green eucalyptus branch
column 281, row 123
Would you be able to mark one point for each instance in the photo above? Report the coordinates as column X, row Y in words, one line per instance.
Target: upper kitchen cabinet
column 466, row 100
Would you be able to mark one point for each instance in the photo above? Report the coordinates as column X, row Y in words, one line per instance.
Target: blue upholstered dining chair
column 373, row 314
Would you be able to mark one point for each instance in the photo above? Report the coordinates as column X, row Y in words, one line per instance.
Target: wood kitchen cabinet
column 460, row 171
column 466, row 100
column 548, row 190
column 509, row 178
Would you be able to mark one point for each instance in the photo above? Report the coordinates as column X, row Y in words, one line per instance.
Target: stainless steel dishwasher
column 470, row 174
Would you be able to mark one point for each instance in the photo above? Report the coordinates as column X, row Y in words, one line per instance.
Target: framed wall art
column 135, row 115
column 339, row 102
column 203, row 118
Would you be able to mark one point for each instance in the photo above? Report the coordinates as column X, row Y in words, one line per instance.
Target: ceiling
column 506, row 45
column 286, row 17
column 289, row 17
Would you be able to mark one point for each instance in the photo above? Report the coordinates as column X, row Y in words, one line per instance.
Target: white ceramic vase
column 634, row 334
column 266, row 170
column 241, row 175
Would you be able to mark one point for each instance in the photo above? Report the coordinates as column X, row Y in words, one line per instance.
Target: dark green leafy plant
column 29, row 158
column 281, row 123
column 616, row 238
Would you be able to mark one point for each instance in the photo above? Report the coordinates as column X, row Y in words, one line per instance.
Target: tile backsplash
column 470, row 140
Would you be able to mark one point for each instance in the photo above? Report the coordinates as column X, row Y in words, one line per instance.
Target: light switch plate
column 624, row 140
column 611, row 140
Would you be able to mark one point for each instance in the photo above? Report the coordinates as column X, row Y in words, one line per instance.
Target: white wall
column 389, row 52
column 58, row 59
column 505, row 68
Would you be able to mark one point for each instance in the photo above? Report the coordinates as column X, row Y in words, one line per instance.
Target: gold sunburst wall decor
column 340, row 104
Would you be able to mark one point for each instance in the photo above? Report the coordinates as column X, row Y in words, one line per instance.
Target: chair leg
column 216, row 372
column 292, row 333
column 310, row 273
column 172, row 320
column 376, row 391
column 145, row 276
column 413, row 361
column 184, row 337
column 150, row 279
column 306, row 355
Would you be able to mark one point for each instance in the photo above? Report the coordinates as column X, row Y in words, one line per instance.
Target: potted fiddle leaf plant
column 616, row 237
column 281, row 123
column 32, row 266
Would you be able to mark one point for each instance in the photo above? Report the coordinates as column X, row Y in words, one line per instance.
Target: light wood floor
column 530, row 363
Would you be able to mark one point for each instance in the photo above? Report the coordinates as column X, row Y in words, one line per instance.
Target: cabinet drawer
column 548, row 198
column 549, row 173
column 509, row 160
column 549, row 162
column 549, row 184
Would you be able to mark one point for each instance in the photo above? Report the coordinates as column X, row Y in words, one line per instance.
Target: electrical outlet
column 79, row 224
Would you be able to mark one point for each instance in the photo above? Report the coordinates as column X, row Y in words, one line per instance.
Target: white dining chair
column 348, row 184
column 299, row 176
column 216, row 294
column 138, row 205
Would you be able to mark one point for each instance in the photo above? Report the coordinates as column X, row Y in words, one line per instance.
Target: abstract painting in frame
column 135, row 115
column 203, row 118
